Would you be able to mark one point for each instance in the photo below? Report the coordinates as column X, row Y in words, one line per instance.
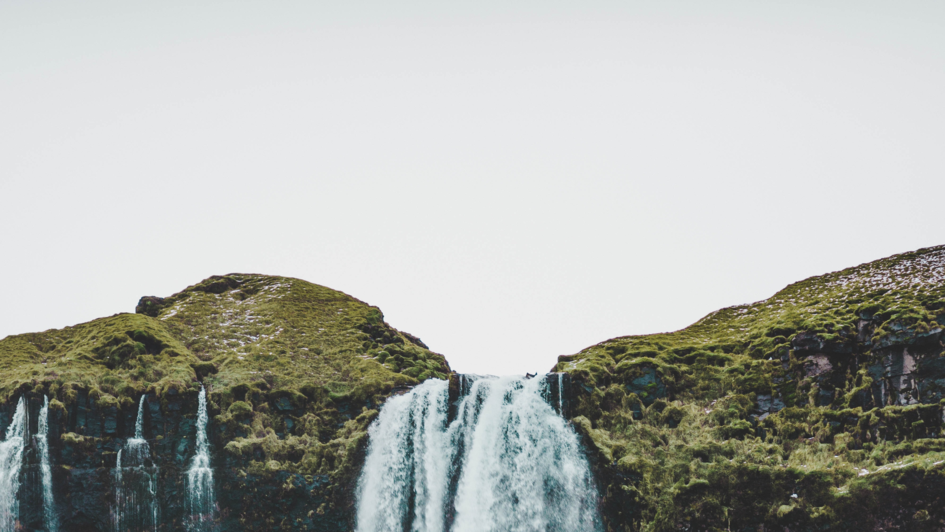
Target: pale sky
column 510, row 181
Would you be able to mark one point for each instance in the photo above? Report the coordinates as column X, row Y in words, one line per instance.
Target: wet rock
column 811, row 342
column 649, row 386
column 864, row 331
column 817, row 365
column 283, row 404
column 767, row 404
column 110, row 420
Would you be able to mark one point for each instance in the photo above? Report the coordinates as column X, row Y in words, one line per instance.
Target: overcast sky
column 510, row 181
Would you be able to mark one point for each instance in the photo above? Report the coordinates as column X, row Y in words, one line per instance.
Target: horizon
column 509, row 181
column 538, row 372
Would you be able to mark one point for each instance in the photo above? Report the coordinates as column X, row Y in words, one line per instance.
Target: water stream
column 508, row 462
column 200, row 475
column 561, row 394
column 136, row 502
column 11, row 460
column 42, row 443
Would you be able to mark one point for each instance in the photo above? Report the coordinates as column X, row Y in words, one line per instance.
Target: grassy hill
column 816, row 409
column 294, row 372
column 820, row 408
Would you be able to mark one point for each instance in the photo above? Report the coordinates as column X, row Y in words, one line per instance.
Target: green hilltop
column 265, row 347
column 816, row 409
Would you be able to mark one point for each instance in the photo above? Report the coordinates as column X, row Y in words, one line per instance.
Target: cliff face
column 817, row 409
column 294, row 374
column 84, row 443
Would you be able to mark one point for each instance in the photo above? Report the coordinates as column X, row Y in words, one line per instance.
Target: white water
column 11, row 459
column 200, row 475
column 42, row 442
column 140, row 419
column 136, row 504
column 516, row 464
column 561, row 393
column 407, row 455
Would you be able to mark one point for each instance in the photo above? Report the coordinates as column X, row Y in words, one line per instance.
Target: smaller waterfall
column 118, row 472
column 561, row 394
column 136, row 504
column 139, row 421
column 11, row 459
column 42, row 442
column 200, row 475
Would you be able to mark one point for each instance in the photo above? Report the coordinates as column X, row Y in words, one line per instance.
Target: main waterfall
column 507, row 463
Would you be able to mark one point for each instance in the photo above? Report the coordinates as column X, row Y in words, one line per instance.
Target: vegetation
column 820, row 408
column 294, row 370
column 788, row 412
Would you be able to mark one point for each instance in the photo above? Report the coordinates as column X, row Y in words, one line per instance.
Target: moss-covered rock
column 820, row 408
column 294, row 373
column 817, row 409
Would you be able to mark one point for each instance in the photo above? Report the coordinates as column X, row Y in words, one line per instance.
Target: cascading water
column 561, row 394
column 507, row 463
column 200, row 475
column 406, row 472
column 42, row 442
column 11, row 459
column 136, row 504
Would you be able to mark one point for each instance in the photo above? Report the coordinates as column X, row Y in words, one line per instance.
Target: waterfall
column 136, row 504
column 507, row 463
column 200, row 475
column 11, row 459
column 561, row 394
column 405, row 474
column 42, row 442
column 140, row 419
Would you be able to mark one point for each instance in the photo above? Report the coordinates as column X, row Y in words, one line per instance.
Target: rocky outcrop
column 150, row 306
column 820, row 408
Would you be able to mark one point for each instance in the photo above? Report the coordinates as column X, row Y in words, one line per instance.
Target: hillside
column 819, row 408
column 294, row 372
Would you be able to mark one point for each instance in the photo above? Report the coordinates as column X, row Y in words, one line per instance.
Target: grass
column 294, row 371
column 678, row 415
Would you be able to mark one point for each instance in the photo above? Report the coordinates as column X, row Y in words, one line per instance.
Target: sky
column 510, row 181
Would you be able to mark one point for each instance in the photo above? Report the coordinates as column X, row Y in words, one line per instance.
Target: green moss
column 78, row 443
column 99, row 356
column 268, row 350
column 239, row 408
column 679, row 414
